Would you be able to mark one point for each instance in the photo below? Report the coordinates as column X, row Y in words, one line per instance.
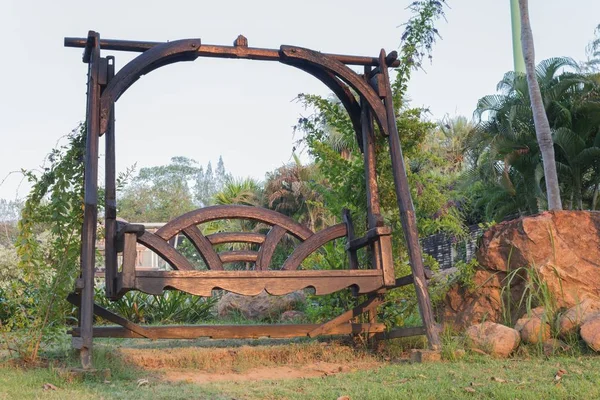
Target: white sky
column 242, row 110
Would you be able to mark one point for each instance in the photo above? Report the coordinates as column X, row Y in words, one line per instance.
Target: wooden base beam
column 230, row 331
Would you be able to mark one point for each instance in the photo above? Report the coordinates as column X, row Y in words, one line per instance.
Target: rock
column 534, row 327
column 292, row 315
column 260, row 307
column 590, row 332
column 495, row 339
column 563, row 247
column 571, row 319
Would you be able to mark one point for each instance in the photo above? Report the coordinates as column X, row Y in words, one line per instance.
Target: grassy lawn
column 474, row 376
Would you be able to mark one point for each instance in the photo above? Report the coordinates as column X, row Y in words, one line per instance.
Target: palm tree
column 290, row 191
column 542, row 126
column 245, row 191
column 516, row 37
column 506, row 154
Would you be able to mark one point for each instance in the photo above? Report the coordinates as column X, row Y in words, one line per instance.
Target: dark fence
column 448, row 250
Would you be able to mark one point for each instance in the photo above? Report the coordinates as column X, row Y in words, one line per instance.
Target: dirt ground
column 249, row 363
column 315, row 370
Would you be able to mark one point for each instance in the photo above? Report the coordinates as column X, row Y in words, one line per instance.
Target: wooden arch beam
column 212, row 213
column 300, row 57
column 156, row 57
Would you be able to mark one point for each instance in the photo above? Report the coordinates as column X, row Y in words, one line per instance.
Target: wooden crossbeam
column 329, row 326
column 102, row 312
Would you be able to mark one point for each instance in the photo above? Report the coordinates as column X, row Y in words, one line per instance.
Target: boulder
column 260, row 307
column 572, row 319
column 492, row 338
column 534, row 327
column 590, row 332
column 563, row 247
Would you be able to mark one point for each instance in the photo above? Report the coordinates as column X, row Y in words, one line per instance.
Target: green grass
column 484, row 377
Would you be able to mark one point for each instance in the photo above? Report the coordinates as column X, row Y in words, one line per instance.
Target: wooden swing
column 371, row 104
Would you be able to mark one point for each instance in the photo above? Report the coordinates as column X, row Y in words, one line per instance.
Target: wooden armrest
column 123, row 228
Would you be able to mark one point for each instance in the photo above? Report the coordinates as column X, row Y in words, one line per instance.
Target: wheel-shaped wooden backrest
column 279, row 223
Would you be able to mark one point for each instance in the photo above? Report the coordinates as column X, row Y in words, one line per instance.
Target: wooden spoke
column 204, row 247
column 268, row 248
column 166, row 251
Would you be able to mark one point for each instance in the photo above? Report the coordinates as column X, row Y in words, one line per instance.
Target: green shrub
column 172, row 307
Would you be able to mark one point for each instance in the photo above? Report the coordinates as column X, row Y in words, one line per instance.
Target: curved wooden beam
column 343, row 93
column 299, row 57
column 312, row 244
column 233, row 212
column 238, row 256
column 236, row 237
column 156, row 57
column 166, row 251
column 265, row 253
column 204, row 247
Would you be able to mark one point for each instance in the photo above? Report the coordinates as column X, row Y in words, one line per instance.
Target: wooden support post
column 407, row 214
column 90, row 217
column 129, row 260
column 110, row 200
column 352, row 258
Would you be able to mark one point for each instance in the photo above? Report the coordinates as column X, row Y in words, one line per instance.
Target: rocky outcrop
column 260, row 307
column 563, row 247
column 494, row 339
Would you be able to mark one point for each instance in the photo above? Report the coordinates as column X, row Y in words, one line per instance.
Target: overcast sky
column 242, row 110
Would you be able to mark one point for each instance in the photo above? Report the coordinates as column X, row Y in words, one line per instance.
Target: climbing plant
column 48, row 244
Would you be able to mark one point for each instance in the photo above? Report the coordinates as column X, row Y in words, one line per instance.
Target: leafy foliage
column 47, row 264
column 172, row 307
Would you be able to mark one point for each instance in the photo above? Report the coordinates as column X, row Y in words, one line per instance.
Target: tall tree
column 542, row 126
column 515, row 19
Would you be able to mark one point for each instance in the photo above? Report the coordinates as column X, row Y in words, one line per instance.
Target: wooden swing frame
column 371, row 104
